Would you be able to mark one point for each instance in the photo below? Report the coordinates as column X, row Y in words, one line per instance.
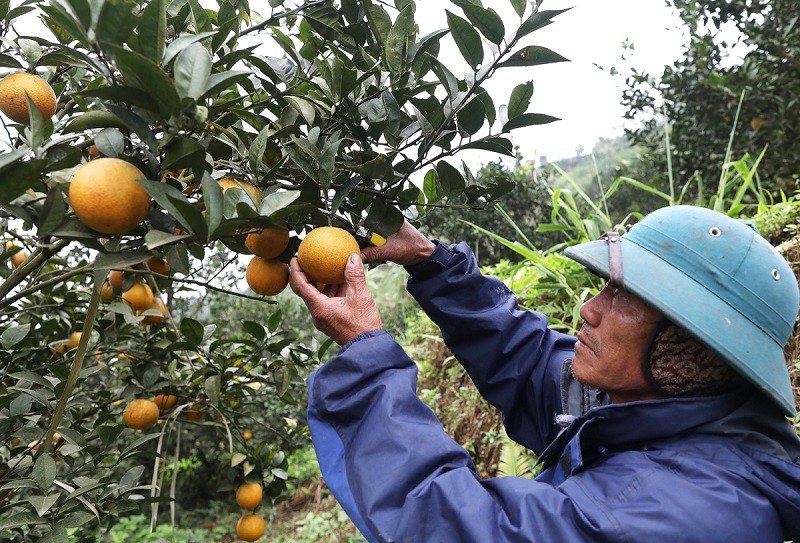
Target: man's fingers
column 302, row 285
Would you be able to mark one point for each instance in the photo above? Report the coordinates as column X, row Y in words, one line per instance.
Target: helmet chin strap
column 614, row 258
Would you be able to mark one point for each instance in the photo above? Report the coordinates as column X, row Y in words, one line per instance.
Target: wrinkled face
column 616, row 332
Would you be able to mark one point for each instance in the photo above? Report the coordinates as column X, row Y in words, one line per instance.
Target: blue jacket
column 724, row 468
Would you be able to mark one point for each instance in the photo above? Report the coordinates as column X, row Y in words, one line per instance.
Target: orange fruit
column 13, row 91
column 115, row 279
column 106, row 197
column 229, row 183
column 250, row 527
column 759, row 123
column 249, row 495
column 323, row 254
column 247, row 434
column 140, row 414
column 268, row 243
column 157, row 305
column 139, row 296
column 73, row 340
column 165, row 402
column 94, row 152
column 195, row 412
column 17, row 258
column 157, row 265
column 267, row 277
column 107, row 292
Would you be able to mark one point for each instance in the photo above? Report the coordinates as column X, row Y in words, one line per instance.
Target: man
column 663, row 421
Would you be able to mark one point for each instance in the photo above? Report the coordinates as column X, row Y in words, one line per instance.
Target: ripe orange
column 165, row 402
column 140, row 414
column 268, row 243
column 159, row 306
column 323, row 254
column 17, row 258
column 13, row 91
column 106, row 197
column 249, row 495
column 229, row 182
column 267, row 277
column 94, row 152
column 759, row 123
column 250, row 527
column 73, row 340
column 195, row 412
column 115, row 279
column 139, row 296
column 247, row 434
column 107, row 292
column 157, row 265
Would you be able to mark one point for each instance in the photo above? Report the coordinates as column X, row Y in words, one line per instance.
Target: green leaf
column 304, row 107
column 110, row 142
column 61, row 21
column 277, row 201
column 379, row 22
column 467, row 39
column 398, row 39
column 19, row 519
column 7, row 61
column 450, row 181
column 471, row 116
column 176, row 204
column 19, row 176
column 383, row 219
column 115, row 22
column 487, row 21
column 44, row 471
column 257, row 148
column 143, row 73
column 42, row 504
column 218, row 81
column 135, row 124
column 528, row 119
column 125, row 259
column 152, row 30
column 519, row 6
column 213, row 386
column 53, row 212
column 538, row 20
column 181, row 42
column 14, row 334
column 192, row 69
column 520, row 99
column 212, row 196
column 183, row 152
column 158, row 238
column 192, row 331
column 533, row 55
column 429, row 187
column 121, row 94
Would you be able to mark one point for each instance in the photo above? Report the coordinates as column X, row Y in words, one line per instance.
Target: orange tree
column 311, row 114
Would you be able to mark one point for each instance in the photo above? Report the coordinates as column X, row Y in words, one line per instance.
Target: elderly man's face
column 612, row 342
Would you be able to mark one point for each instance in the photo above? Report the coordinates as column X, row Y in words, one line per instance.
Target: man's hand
column 342, row 312
column 407, row 247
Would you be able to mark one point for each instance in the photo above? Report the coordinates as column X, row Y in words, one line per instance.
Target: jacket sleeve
column 401, row 478
column 513, row 358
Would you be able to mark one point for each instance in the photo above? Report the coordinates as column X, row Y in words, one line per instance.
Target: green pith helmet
column 717, row 278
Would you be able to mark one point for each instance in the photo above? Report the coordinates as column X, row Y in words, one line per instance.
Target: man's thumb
column 354, row 270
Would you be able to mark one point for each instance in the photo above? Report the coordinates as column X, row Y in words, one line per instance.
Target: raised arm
column 511, row 355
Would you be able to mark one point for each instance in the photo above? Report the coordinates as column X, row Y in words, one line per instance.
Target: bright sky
column 584, row 97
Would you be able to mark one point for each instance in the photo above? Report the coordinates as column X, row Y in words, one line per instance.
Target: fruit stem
column 77, row 365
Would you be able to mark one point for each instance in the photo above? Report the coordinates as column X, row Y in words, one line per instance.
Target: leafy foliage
column 709, row 92
column 327, row 107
